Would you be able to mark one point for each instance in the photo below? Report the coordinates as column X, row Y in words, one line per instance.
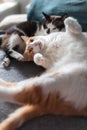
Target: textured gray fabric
column 19, row 71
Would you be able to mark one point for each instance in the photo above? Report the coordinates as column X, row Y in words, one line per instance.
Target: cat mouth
column 38, row 44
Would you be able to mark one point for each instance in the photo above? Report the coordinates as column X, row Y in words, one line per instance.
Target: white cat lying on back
column 59, row 48
column 62, row 89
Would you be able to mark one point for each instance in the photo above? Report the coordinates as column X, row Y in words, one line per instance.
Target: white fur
column 43, row 31
column 67, row 54
column 6, row 62
column 65, row 57
column 16, row 55
column 14, row 40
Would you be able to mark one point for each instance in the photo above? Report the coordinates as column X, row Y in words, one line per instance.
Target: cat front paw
column 20, row 58
column 38, row 59
column 6, row 62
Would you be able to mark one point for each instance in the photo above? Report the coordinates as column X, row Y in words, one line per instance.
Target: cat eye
column 30, row 50
column 31, row 40
column 54, row 28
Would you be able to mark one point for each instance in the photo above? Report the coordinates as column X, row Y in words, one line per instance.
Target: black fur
column 27, row 28
column 0, row 40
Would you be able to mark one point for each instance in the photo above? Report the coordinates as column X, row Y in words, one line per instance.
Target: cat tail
column 21, row 115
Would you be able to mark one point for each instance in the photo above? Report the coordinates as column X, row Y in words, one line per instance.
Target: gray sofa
column 19, row 71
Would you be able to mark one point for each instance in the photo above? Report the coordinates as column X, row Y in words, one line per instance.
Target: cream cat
column 62, row 89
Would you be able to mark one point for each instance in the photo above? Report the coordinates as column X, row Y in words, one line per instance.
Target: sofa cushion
column 8, row 8
column 12, row 20
column 75, row 8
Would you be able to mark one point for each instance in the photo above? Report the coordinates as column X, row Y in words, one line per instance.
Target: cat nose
column 48, row 31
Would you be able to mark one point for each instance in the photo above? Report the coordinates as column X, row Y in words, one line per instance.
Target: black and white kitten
column 12, row 43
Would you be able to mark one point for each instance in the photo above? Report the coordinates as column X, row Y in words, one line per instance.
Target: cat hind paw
column 6, row 62
column 72, row 25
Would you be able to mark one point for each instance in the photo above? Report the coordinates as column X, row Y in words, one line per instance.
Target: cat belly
column 52, row 103
column 59, row 92
column 58, row 96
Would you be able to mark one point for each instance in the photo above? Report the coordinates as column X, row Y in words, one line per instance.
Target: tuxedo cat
column 62, row 89
column 14, row 46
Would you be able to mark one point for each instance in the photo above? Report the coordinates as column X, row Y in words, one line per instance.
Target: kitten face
column 53, row 23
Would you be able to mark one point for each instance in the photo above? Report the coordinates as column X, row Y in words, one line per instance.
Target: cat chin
column 36, row 46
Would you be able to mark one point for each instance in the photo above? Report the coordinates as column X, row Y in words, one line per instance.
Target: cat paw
column 73, row 25
column 20, row 58
column 38, row 59
column 6, row 62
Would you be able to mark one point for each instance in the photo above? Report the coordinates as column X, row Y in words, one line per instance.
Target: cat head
column 33, row 46
column 53, row 23
column 29, row 52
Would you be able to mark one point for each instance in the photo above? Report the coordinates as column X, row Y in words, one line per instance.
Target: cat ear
column 64, row 16
column 47, row 17
column 24, row 38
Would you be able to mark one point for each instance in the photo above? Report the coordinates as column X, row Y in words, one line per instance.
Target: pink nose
column 36, row 43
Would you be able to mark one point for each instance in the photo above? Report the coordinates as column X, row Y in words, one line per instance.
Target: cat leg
column 39, row 59
column 4, row 84
column 6, row 62
column 63, row 81
column 16, row 55
column 5, row 94
column 72, row 25
column 16, row 119
column 30, row 91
